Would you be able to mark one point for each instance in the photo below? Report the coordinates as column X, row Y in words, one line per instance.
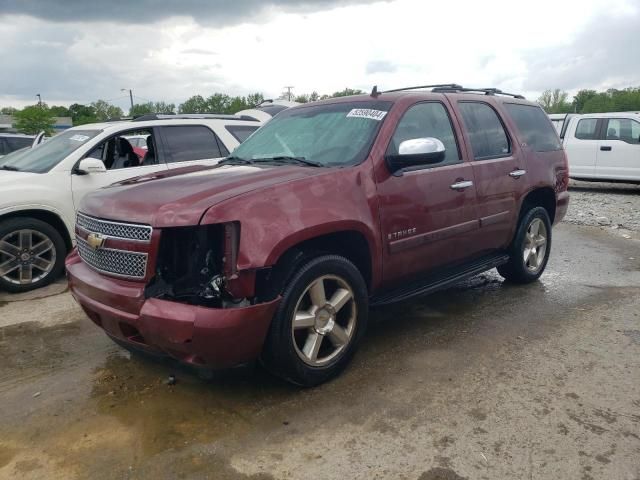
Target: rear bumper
column 562, row 204
column 209, row 337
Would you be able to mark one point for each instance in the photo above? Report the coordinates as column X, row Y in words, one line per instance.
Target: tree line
column 35, row 118
column 591, row 101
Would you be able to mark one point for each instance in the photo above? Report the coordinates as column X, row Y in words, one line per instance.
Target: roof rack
column 437, row 85
column 486, row 91
column 455, row 88
column 192, row 116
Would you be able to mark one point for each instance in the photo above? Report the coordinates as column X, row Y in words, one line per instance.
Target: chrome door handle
column 462, row 185
column 517, row 173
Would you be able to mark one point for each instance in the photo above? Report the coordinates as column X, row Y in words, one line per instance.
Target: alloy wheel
column 324, row 320
column 535, row 245
column 26, row 256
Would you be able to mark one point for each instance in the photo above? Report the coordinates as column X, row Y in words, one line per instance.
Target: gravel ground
column 614, row 206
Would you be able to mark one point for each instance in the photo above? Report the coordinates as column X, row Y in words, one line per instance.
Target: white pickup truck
column 603, row 146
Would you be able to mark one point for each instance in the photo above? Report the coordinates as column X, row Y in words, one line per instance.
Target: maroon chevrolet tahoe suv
column 278, row 252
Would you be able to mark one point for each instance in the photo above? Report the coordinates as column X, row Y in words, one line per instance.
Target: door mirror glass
column 416, row 152
column 90, row 165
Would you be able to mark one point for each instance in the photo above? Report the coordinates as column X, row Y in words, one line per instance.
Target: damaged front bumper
column 197, row 335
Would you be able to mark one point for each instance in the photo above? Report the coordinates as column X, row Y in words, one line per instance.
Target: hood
column 180, row 197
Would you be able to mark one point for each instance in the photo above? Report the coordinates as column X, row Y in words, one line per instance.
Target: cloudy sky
column 81, row 50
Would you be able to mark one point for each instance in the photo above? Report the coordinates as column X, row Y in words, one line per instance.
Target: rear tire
column 319, row 322
column 32, row 254
column 529, row 251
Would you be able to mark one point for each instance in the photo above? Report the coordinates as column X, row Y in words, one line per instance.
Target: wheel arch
column 47, row 216
column 350, row 243
column 539, row 197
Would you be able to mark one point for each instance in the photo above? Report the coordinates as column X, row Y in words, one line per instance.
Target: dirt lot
column 614, row 206
column 482, row 381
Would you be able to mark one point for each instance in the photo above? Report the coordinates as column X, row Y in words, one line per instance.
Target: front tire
column 31, row 254
column 529, row 251
column 319, row 322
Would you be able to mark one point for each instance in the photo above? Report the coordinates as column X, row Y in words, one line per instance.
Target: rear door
column 428, row 214
column 498, row 168
column 191, row 145
column 618, row 155
column 581, row 143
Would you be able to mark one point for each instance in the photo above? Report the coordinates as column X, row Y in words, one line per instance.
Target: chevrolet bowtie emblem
column 95, row 240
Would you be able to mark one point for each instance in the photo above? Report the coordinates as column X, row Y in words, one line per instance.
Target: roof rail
column 192, row 116
column 486, row 91
column 453, row 88
column 437, row 85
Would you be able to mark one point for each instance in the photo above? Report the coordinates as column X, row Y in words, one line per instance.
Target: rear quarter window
column 534, row 127
column 241, row 132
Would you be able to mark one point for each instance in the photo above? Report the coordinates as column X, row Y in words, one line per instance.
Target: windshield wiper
column 235, row 161
column 11, row 168
column 288, row 159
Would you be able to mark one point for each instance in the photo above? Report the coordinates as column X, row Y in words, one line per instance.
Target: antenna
column 374, row 91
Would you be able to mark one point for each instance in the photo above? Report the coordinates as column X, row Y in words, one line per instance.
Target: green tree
column 304, row 98
column 34, row 119
column 59, row 111
column 82, row 114
column 347, row 92
column 581, row 98
column 555, row 101
column 105, row 111
column 195, row 104
column 255, row 99
column 152, row 107
column 8, row 110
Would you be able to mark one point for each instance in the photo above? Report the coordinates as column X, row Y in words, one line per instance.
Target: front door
column 428, row 215
column 121, row 163
column 619, row 151
column 582, row 147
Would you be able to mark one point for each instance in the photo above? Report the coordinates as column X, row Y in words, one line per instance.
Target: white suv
column 40, row 188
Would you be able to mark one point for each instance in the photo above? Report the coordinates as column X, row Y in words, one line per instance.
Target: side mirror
column 90, row 165
column 416, row 152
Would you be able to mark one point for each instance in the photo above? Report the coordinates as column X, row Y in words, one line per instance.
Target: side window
column 623, row 129
column 193, row 142
column 117, row 152
column 241, row 132
column 487, row 135
column 534, row 127
column 587, row 129
column 16, row 143
column 427, row 120
column 3, row 149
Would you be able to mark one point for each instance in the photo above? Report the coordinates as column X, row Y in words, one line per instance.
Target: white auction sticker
column 367, row 113
column 79, row 138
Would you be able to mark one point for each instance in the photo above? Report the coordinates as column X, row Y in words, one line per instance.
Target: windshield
column 330, row 135
column 45, row 156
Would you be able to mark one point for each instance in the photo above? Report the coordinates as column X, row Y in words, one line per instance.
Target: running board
column 437, row 282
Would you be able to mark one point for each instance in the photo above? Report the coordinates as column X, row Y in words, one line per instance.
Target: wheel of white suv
column 31, row 254
column 319, row 322
column 529, row 251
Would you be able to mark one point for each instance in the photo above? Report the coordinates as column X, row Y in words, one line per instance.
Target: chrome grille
column 127, row 231
column 115, row 262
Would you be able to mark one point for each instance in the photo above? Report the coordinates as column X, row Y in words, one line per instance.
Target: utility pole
column 39, row 99
column 289, row 92
column 130, row 95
